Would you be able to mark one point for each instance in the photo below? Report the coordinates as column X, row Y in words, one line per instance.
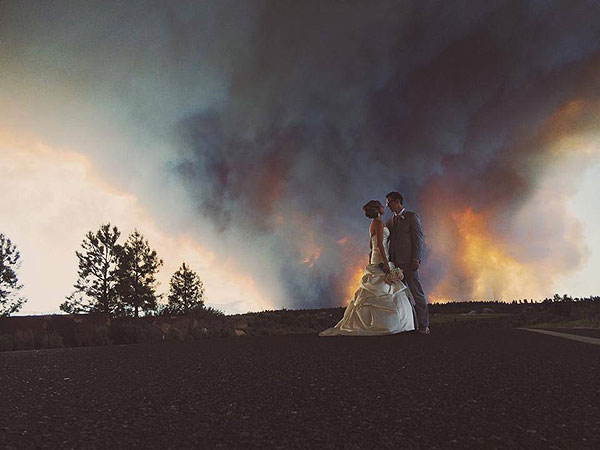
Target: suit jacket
column 406, row 239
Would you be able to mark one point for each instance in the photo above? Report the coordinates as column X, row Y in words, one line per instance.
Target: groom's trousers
column 412, row 280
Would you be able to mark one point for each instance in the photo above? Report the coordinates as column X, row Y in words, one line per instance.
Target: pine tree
column 95, row 290
column 136, row 275
column 10, row 262
column 186, row 291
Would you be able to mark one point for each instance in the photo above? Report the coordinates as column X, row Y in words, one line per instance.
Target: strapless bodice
column 375, row 255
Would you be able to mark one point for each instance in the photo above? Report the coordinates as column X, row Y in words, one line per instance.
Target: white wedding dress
column 377, row 307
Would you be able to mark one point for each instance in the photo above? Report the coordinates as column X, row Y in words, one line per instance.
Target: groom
column 406, row 250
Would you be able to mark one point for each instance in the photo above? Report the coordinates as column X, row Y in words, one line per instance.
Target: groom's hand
column 415, row 265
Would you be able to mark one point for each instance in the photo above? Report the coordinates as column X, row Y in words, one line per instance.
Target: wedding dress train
column 377, row 308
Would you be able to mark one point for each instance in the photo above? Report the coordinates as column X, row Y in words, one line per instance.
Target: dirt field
column 461, row 387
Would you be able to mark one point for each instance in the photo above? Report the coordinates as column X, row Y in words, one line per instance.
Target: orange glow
column 53, row 197
column 558, row 133
column 356, row 273
column 344, row 240
column 540, row 241
column 561, row 122
column 312, row 257
column 355, row 268
column 434, row 297
column 308, row 245
column 486, row 263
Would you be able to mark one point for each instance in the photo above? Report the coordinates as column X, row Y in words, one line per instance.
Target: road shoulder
column 573, row 337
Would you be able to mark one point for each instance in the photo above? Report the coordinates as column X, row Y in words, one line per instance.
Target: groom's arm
column 418, row 242
column 391, row 246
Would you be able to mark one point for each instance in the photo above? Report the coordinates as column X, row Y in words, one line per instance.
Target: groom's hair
column 393, row 196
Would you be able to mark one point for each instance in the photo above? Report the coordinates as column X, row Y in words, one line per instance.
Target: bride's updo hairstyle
column 371, row 209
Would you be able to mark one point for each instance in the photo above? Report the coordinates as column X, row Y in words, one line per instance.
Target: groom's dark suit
column 406, row 245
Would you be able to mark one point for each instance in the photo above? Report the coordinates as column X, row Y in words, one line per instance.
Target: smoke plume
column 461, row 109
column 279, row 119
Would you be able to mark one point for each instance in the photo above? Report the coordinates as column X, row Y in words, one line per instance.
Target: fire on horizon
column 244, row 137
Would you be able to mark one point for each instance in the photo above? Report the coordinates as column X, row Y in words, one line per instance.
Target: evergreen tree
column 186, row 291
column 95, row 290
column 136, row 275
column 10, row 262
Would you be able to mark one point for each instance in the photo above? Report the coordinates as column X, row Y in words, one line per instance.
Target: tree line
column 113, row 278
column 10, row 261
column 120, row 280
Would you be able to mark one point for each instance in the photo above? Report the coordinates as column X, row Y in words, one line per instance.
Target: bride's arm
column 379, row 235
column 370, row 247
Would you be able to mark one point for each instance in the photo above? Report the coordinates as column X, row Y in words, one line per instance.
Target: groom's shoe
column 424, row 331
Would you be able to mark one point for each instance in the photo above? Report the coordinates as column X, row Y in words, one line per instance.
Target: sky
column 244, row 137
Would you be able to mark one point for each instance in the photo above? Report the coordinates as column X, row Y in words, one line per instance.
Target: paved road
column 462, row 387
column 588, row 332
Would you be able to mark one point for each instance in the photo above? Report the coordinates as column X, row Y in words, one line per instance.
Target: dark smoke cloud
column 286, row 116
column 340, row 103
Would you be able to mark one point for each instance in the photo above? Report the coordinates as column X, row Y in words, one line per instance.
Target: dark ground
column 461, row 387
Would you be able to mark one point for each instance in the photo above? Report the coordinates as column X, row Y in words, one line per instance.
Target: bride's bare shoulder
column 376, row 225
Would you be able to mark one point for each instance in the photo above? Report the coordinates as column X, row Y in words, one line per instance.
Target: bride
column 377, row 307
